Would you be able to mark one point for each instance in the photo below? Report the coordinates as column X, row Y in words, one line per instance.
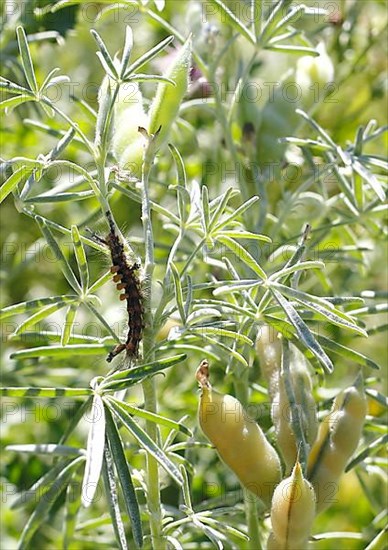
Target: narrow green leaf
column 112, row 497
column 247, row 235
column 227, row 16
column 26, row 59
column 346, row 352
column 60, row 197
column 327, row 310
column 10, row 87
column 128, row 45
column 72, row 507
column 273, row 20
column 146, row 442
column 46, row 449
column 205, row 211
column 300, row 266
column 221, row 333
column 8, row 105
column 324, row 135
column 152, row 417
column 80, row 257
column 94, row 450
column 65, row 267
column 47, row 501
column 104, row 56
column 20, row 175
column 41, row 486
column 60, row 352
column 289, row 48
column 379, row 542
column 238, row 212
column 242, row 255
column 303, row 331
column 150, row 78
column 100, row 282
column 189, row 296
column 37, row 317
column 178, row 293
column 372, row 448
column 125, row 378
column 220, row 208
column 150, row 54
column 370, row 178
column 68, row 324
column 117, row 452
column 179, row 164
column 33, row 305
column 377, row 396
column 35, row 393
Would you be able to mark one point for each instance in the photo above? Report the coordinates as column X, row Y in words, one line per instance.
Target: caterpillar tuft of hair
column 126, row 278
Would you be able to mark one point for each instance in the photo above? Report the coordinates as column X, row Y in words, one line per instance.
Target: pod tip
column 202, row 374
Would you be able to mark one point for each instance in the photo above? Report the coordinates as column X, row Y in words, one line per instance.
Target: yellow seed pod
column 269, row 351
column 292, row 512
column 239, row 441
column 338, row 437
column 281, row 411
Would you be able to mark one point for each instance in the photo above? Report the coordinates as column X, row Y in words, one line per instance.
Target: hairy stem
column 149, row 390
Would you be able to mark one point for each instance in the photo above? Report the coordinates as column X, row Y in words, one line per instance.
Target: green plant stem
column 148, row 385
column 250, row 500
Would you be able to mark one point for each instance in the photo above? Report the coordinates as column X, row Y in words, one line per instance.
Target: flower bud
column 292, row 512
column 338, row 437
column 239, row 441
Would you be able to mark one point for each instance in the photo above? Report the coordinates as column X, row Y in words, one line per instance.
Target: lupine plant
column 232, row 152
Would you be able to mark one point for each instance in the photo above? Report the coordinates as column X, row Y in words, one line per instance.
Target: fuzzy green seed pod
column 304, row 404
column 127, row 142
column 166, row 103
column 239, row 441
column 292, row 512
column 269, row 351
column 338, row 437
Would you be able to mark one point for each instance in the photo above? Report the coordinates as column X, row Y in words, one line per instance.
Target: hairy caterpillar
column 125, row 277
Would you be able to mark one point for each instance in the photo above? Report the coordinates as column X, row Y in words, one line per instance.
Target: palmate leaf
column 116, row 450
